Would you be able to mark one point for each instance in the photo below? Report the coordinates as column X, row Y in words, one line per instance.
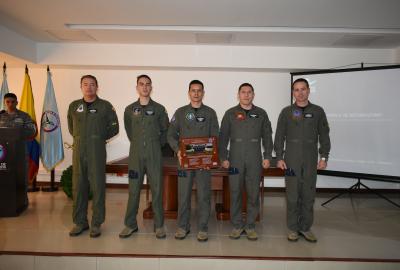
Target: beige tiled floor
column 363, row 228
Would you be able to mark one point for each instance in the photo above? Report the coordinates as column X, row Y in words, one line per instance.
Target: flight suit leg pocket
column 182, row 173
column 233, row 171
column 133, row 174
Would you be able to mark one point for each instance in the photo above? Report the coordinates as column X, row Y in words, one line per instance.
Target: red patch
column 240, row 116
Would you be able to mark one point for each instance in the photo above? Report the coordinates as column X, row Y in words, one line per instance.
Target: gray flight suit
column 90, row 127
column 244, row 131
column 298, row 133
column 20, row 119
column 146, row 127
column 189, row 122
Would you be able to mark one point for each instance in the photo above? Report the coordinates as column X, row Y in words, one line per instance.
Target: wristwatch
column 323, row 158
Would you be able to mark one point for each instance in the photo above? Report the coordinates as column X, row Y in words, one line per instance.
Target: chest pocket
column 136, row 117
column 255, row 121
column 201, row 121
column 310, row 120
column 95, row 120
column 150, row 118
column 94, row 114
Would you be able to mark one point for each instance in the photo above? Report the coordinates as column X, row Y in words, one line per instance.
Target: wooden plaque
column 199, row 153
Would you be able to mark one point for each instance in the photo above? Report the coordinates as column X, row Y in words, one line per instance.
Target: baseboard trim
column 266, row 189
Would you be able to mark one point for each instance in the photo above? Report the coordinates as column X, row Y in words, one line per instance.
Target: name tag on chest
column 149, row 112
column 200, row 119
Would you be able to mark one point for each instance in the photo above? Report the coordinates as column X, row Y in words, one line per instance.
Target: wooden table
column 220, row 181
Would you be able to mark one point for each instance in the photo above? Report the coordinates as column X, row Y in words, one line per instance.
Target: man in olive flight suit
column 244, row 127
column 91, row 121
column 146, row 124
column 193, row 120
column 11, row 117
column 301, row 126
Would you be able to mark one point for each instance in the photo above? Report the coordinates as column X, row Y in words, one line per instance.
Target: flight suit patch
column 190, row 116
column 200, row 119
column 240, row 116
column 137, row 111
column 149, row 112
column 297, row 114
column 182, row 173
column 254, row 115
column 133, row 174
column 308, row 115
column 289, row 172
column 80, row 108
column 93, row 110
column 233, row 171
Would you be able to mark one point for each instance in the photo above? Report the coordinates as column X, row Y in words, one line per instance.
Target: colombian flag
column 27, row 105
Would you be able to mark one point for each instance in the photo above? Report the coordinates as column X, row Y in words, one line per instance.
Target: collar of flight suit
column 94, row 102
column 193, row 108
column 253, row 107
column 137, row 102
column 302, row 108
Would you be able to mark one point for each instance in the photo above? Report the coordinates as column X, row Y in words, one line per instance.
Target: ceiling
column 287, row 23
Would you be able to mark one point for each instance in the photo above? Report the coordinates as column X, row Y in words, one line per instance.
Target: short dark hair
column 300, row 80
column 196, row 82
column 10, row 95
column 142, row 76
column 246, row 84
column 89, row 77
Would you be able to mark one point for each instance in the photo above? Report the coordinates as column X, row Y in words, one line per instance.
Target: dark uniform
column 189, row 122
column 146, row 127
column 298, row 133
column 244, row 130
column 91, row 125
column 20, row 119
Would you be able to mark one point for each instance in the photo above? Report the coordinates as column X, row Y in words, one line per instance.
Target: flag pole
column 34, row 187
column 52, row 186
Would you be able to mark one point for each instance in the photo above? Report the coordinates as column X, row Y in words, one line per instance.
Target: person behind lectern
column 11, row 117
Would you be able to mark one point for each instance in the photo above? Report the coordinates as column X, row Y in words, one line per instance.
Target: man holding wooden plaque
column 192, row 135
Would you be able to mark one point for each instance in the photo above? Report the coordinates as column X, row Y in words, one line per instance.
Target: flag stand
column 34, row 187
column 52, row 186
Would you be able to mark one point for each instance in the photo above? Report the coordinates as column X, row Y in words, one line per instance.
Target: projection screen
column 363, row 110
